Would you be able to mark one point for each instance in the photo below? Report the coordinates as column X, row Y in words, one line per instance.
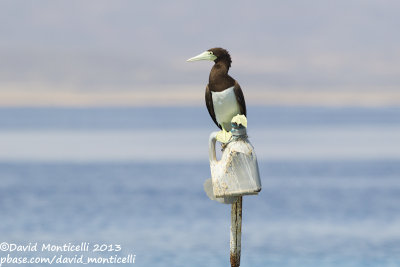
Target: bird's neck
column 219, row 79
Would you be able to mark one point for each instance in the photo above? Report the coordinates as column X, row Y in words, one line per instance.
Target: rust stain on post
column 236, row 232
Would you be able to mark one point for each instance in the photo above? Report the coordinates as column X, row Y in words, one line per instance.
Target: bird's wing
column 210, row 106
column 240, row 98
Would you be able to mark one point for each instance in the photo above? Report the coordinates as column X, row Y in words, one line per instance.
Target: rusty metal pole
column 236, row 232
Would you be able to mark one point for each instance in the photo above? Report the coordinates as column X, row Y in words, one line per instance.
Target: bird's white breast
column 225, row 107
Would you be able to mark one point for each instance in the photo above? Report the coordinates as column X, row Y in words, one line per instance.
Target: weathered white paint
column 208, row 187
column 237, row 172
column 235, row 175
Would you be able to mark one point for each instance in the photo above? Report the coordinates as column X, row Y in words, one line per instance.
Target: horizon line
column 141, row 98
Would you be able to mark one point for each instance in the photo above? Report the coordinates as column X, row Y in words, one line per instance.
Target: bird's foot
column 223, row 136
column 240, row 119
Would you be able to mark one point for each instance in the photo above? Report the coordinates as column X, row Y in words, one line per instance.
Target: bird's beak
column 203, row 56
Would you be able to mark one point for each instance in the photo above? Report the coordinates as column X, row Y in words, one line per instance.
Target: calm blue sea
column 134, row 177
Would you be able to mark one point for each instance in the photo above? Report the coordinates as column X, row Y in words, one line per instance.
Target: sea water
column 133, row 178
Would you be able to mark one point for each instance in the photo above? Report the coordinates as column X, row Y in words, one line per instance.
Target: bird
column 224, row 97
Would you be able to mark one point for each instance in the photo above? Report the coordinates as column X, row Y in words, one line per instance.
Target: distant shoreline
column 194, row 97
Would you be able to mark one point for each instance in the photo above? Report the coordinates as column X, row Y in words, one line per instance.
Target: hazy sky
column 141, row 46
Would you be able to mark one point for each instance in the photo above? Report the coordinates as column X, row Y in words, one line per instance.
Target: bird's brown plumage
column 219, row 80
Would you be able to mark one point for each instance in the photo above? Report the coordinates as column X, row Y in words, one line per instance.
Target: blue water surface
column 309, row 213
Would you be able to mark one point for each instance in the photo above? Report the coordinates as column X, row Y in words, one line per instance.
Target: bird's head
column 216, row 54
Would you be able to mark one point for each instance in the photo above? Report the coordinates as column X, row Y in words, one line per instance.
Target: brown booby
column 224, row 97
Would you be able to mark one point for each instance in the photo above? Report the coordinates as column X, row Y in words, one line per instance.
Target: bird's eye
column 210, row 52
